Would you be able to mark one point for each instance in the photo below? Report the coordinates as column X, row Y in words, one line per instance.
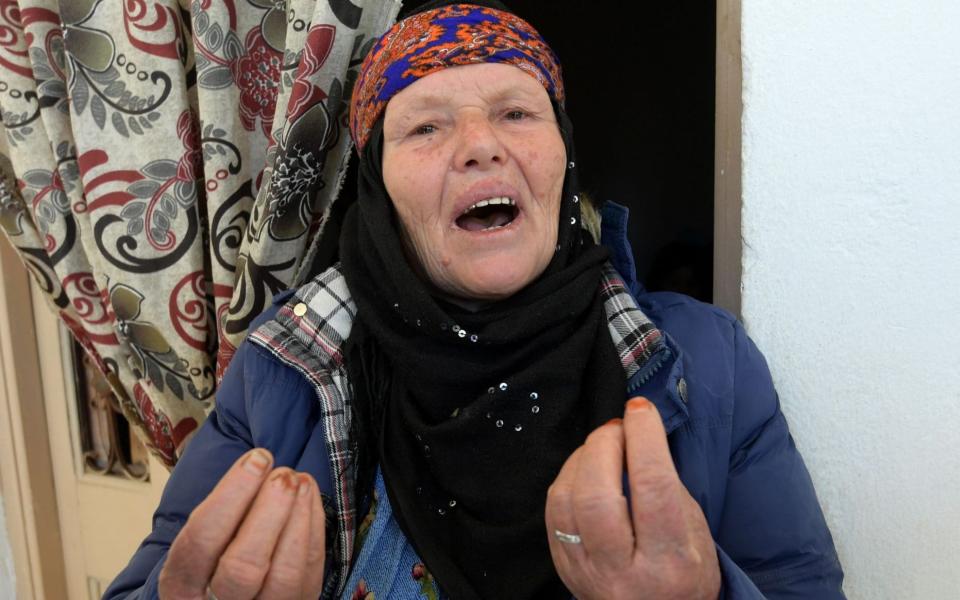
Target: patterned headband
column 458, row 34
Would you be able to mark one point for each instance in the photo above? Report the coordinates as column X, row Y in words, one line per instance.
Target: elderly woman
column 480, row 401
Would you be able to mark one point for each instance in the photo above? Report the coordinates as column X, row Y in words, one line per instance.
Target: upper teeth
column 490, row 201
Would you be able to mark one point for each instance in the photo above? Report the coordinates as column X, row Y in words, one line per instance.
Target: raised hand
column 260, row 533
column 659, row 548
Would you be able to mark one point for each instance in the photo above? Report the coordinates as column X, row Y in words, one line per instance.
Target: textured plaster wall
column 851, row 280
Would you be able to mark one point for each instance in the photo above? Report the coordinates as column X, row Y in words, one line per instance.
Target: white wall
column 851, row 281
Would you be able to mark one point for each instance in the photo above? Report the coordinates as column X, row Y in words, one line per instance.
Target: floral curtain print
column 167, row 167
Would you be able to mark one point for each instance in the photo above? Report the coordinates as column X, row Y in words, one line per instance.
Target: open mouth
column 489, row 214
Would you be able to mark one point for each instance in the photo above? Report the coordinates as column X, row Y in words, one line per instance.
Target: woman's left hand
column 658, row 549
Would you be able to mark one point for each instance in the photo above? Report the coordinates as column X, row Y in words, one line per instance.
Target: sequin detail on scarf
column 310, row 340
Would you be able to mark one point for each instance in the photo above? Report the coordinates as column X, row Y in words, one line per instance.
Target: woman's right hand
column 260, row 533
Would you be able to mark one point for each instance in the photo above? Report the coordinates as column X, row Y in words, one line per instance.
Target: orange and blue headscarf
column 448, row 36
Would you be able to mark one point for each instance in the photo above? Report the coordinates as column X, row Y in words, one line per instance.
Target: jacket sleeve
column 260, row 402
column 219, row 442
column 773, row 541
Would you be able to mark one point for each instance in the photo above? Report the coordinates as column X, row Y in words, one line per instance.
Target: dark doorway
column 640, row 80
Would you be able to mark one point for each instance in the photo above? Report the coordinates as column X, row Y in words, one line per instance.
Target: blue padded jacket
column 727, row 435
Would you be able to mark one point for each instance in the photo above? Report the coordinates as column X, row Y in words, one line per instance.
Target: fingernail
column 283, row 479
column 256, row 462
column 303, row 485
column 616, row 421
column 638, row 404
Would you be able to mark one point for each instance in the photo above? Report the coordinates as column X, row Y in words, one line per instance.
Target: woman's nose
column 479, row 147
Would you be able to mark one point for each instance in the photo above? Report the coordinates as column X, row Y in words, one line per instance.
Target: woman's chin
column 492, row 281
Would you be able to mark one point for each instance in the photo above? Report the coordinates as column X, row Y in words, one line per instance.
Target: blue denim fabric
column 386, row 563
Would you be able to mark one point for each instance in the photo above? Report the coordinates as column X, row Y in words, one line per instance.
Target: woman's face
column 474, row 163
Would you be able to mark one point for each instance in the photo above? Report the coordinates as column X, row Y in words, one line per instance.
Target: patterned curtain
column 167, row 167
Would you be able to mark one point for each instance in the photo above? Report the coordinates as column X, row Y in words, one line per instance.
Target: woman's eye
column 516, row 115
column 424, row 129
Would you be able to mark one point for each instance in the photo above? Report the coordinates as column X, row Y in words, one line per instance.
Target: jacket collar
column 613, row 237
column 652, row 360
column 320, row 315
column 668, row 390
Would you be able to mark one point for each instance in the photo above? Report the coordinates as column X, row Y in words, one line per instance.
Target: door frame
column 26, row 468
column 46, row 490
column 728, row 162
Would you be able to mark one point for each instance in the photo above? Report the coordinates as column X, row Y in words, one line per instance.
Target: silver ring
column 567, row 538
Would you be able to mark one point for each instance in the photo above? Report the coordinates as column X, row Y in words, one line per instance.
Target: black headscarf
column 471, row 414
